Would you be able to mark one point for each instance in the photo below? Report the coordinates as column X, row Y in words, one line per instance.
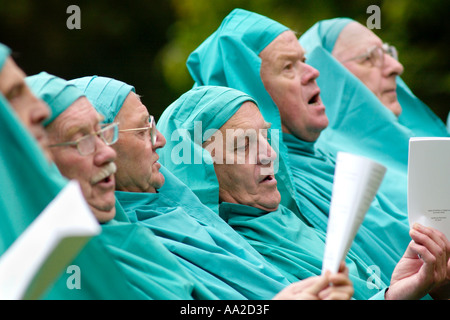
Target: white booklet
column 356, row 182
column 40, row 254
column 429, row 183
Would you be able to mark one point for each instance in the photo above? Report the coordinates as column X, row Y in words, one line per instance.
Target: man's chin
column 395, row 108
column 105, row 214
column 271, row 202
column 159, row 181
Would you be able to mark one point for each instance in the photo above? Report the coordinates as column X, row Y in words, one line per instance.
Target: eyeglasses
column 152, row 128
column 87, row 145
column 376, row 54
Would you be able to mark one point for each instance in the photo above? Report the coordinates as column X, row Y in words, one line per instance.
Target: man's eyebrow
column 291, row 55
column 145, row 118
column 16, row 86
column 71, row 132
column 287, row 56
column 81, row 128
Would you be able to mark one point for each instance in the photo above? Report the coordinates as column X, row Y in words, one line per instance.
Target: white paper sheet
column 429, row 183
column 356, row 182
column 47, row 246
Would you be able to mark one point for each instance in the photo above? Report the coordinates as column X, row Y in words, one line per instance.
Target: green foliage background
column 146, row 43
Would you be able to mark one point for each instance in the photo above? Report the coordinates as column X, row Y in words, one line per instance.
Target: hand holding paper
column 356, row 182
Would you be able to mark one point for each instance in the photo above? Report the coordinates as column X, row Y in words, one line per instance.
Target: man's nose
column 40, row 111
column 160, row 140
column 266, row 154
column 310, row 74
column 104, row 153
column 392, row 66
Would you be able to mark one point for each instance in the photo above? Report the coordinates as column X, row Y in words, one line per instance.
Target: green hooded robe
column 358, row 122
column 146, row 267
column 201, row 241
column 286, row 241
column 230, row 57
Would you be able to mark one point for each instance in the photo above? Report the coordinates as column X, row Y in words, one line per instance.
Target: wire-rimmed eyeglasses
column 151, row 127
column 87, row 144
column 376, row 54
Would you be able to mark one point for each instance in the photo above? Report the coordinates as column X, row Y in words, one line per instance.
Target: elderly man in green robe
column 30, row 182
column 153, row 197
column 370, row 109
column 228, row 138
column 240, row 55
column 377, row 66
column 263, row 58
column 80, row 146
column 249, row 199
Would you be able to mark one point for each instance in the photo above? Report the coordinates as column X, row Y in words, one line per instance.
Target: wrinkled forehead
column 247, row 116
column 80, row 114
column 285, row 44
column 132, row 110
column 355, row 38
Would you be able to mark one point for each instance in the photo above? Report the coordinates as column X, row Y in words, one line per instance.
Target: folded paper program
column 429, row 183
column 356, row 182
column 34, row 261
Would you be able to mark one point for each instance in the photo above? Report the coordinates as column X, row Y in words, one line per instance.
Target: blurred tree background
column 146, row 43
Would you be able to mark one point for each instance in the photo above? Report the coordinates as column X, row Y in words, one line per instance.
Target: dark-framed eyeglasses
column 86, row 145
column 376, row 54
column 151, row 127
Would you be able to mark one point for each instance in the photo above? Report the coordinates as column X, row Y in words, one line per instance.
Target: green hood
column 106, row 94
column 186, row 124
column 229, row 57
column 56, row 92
